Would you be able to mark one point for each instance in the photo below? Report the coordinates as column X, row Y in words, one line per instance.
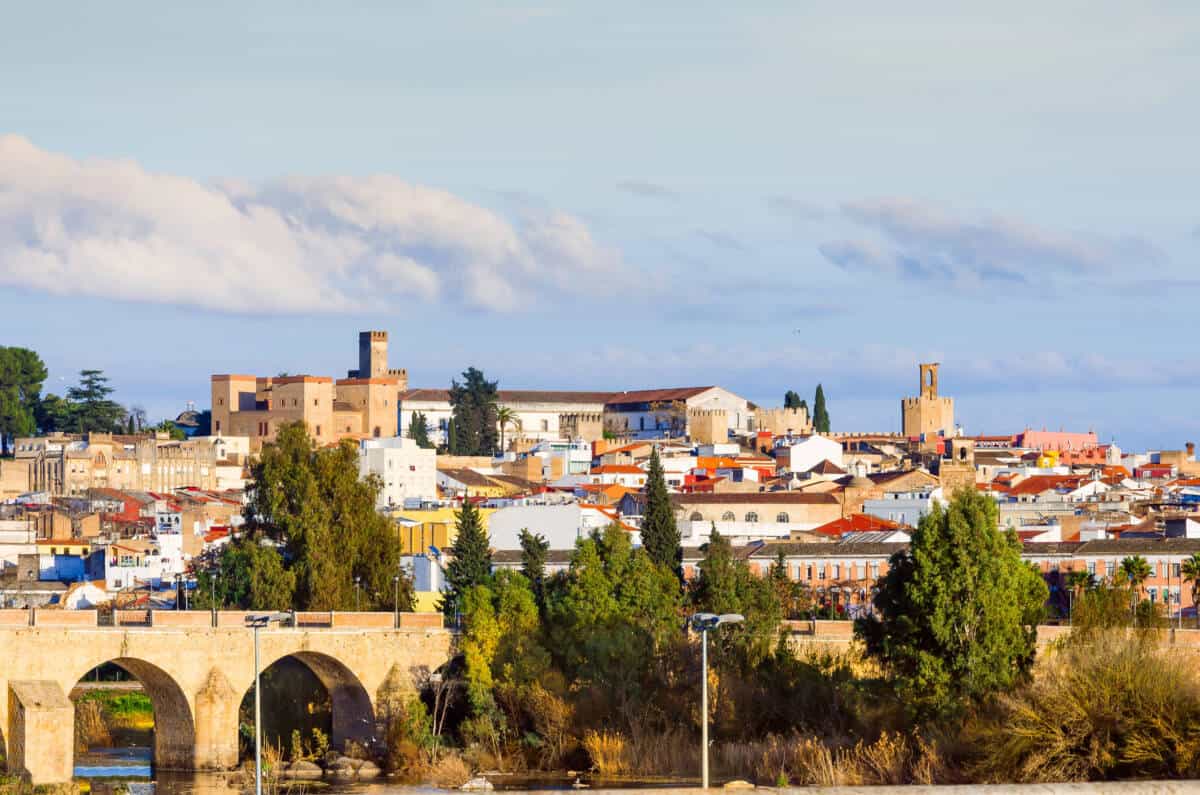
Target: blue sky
column 759, row 195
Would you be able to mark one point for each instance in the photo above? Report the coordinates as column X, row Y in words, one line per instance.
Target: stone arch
column 174, row 724
column 353, row 710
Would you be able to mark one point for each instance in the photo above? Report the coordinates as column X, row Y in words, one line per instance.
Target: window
column 821, row 572
column 376, row 432
column 545, row 425
column 1175, row 570
column 782, row 518
column 220, row 401
column 318, row 430
column 1091, row 568
column 837, row 571
column 696, row 517
column 727, row 516
column 875, row 571
column 316, row 402
column 752, row 517
column 809, row 571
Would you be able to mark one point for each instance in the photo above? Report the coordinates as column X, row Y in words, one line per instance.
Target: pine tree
column 533, row 561
column 418, row 430
column 725, row 584
column 471, row 558
column 820, row 413
column 957, row 612
column 791, row 400
column 660, row 536
column 474, row 405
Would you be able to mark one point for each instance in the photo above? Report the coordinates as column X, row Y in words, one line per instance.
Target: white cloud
column 299, row 244
column 925, row 242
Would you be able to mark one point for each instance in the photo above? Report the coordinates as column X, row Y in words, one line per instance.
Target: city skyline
column 183, row 194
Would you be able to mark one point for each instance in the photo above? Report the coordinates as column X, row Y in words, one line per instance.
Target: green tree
column 1080, row 580
column 1190, row 569
column 1134, row 570
column 22, row 374
column 725, row 584
column 506, row 416
column 252, row 577
column 533, row 562
column 171, row 429
column 474, row 407
column 611, row 618
column 470, row 558
column 820, row 416
column 791, row 400
column 418, row 430
column 54, row 413
column 92, row 409
column 957, row 611
column 660, row 536
column 312, row 502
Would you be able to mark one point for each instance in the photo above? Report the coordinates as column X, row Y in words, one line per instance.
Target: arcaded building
column 361, row 406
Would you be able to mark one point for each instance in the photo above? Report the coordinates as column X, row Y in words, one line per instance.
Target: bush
column 450, row 772
column 1115, row 706
column 607, row 751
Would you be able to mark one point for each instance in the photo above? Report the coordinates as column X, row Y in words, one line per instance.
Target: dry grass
column 90, row 726
column 1115, row 707
column 807, row 761
column 607, row 750
column 450, row 771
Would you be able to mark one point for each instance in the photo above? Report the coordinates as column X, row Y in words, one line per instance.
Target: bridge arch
column 174, row 723
column 353, row 712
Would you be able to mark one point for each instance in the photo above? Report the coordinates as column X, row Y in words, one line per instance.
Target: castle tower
column 372, row 354
column 929, row 416
column 958, row 471
column 585, row 426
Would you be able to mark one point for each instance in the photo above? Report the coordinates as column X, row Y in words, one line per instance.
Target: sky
column 763, row 196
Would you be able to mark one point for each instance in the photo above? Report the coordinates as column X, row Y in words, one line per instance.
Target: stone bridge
column 196, row 667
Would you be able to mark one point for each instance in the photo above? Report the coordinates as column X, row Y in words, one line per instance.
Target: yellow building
column 417, row 530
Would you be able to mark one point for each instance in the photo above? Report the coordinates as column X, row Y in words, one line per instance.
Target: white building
column 17, row 537
column 800, row 454
column 408, row 471
column 905, row 507
column 537, row 411
column 658, row 413
column 561, row 525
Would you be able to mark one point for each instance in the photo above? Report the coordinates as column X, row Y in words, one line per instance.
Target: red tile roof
column 617, row 469
column 856, row 523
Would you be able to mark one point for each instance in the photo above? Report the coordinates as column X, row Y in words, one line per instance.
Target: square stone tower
column 373, row 359
column 929, row 414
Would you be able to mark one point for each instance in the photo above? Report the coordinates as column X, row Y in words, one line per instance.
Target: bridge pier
column 216, row 724
column 41, row 732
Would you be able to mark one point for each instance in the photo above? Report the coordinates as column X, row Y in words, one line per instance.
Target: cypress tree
column 418, row 430
column 471, row 562
column 820, row 413
column 660, row 536
column 533, row 561
column 791, row 400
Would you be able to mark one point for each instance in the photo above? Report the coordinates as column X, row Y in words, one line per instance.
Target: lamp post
column 212, row 588
column 256, row 623
column 396, row 602
column 356, row 582
column 705, row 622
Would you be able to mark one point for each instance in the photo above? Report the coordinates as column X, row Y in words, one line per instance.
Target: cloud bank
column 924, row 242
column 112, row 229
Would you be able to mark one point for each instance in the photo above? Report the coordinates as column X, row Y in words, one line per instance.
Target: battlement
column 587, row 426
column 373, row 336
column 707, row 413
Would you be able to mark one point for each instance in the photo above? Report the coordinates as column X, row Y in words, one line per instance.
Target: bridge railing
column 225, row 619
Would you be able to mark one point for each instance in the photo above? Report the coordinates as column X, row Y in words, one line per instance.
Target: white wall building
column 538, row 411
column 658, row 413
column 905, row 507
column 803, row 453
column 561, row 525
column 408, row 471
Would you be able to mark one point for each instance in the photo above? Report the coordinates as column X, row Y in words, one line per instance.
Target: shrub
column 607, row 752
column 1113, row 707
column 450, row 771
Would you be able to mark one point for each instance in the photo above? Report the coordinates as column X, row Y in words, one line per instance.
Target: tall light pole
column 356, row 581
column 705, row 622
column 396, row 602
column 256, row 623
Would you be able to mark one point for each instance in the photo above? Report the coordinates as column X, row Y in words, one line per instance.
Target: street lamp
column 356, row 582
column 212, row 588
column 703, row 622
column 396, row 602
column 256, row 623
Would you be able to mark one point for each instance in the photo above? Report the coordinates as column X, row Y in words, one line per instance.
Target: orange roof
column 1036, row 484
column 856, row 523
column 617, row 469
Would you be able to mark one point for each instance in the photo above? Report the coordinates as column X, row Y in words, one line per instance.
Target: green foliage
column 470, row 558
column 1190, row 571
column 312, row 503
column 533, row 561
column 91, row 409
column 611, row 617
column 252, row 577
column 820, row 416
column 791, row 400
column 660, row 536
column 418, row 430
column 474, row 406
column 171, row 429
column 506, row 416
column 957, row 611
column 54, row 413
column 1134, row 570
column 22, row 373
column 726, row 585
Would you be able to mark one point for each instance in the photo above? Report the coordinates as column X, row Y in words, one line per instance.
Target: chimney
column 1191, row 449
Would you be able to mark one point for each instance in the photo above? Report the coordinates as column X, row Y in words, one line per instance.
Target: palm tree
column 1080, row 579
column 1136, row 570
column 506, row 416
column 1190, row 569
